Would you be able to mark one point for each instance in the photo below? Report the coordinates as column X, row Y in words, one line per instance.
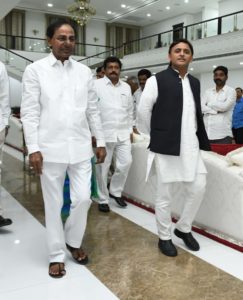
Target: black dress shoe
column 188, row 239
column 121, row 202
column 104, row 207
column 5, row 222
column 167, row 247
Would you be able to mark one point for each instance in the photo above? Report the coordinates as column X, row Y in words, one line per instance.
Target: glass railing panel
column 239, row 21
column 41, row 45
column 232, row 23
column 210, row 28
column 194, row 32
column 148, row 43
column 228, row 24
column 14, row 63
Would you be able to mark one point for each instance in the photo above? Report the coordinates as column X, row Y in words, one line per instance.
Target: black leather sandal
column 60, row 270
column 78, row 255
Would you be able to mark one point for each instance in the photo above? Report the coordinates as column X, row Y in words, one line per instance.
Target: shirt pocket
column 124, row 100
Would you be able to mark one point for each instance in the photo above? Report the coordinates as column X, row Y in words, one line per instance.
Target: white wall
column 95, row 34
column 35, row 21
column 168, row 24
column 234, row 79
column 228, row 7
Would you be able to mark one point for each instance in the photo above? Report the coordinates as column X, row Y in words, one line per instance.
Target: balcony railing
column 213, row 27
column 14, row 62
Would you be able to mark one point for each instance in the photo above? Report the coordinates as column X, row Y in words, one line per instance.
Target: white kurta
column 59, row 106
column 4, row 97
column 173, row 168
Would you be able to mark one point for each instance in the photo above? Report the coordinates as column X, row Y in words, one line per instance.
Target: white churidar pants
column 52, row 182
column 193, row 193
column 2, row 138
column 123, row 159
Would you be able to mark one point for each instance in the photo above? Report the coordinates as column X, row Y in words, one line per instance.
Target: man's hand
column 100, row 154
column 36, row 162
column 135, row 130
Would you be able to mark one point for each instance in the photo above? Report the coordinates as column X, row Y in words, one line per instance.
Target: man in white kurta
column 187, row 168
column 59, row 106
column 116, row 108
column 4, row 117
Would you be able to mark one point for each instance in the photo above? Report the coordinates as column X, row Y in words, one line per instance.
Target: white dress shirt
column 189, row 163
column 217, row 108
column 59, row 106
column 4, row 97
column 116, row 107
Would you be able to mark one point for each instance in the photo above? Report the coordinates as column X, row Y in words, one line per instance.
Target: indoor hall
column 125, row 262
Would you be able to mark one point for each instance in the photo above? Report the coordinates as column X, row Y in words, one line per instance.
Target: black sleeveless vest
column 165, row 135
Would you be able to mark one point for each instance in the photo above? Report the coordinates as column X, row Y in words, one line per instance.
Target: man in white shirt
column 170, row 112
column 4, row 117
column 58, row 110
column 217, row 108
column 116, row 107
column 143, row 75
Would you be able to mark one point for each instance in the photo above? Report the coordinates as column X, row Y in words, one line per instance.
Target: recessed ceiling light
column 123, row 5
column 148, row 15
column 49, row 4
column 214, row 66
column 109, row 12
column 241, row 63
column 186, row 1
column 191, row 69
column 167, row 7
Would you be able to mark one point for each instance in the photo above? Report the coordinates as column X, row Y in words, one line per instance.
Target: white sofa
column 15, row 134
column 221, row 212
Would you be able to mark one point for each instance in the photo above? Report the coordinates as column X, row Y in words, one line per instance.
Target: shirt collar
column 223, row 88
column 108, row 81
column 186, row 75
column 53, row 60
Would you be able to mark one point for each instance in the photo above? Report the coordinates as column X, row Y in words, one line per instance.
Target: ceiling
column 134, row 13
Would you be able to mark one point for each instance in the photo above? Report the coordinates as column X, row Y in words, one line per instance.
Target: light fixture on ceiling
column 241, row 63
column 109, row 12
column 214, row 66
column 81, row 11
column 186, row 1
column 49, row 4
column 191, row 69
column 168, row 7
column 148, row 15
column 123, row 5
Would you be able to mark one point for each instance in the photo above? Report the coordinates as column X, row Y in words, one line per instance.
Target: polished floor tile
column 23, row 260
column 125, row 262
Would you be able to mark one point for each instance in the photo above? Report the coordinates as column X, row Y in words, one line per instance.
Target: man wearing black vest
column 170, row 111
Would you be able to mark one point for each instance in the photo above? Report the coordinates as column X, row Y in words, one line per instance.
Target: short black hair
column 145, row 72
column 239, row 88
column 50, row 31
column 112, row 59
column 185, row 41
column 221, row 68
column 99, row 69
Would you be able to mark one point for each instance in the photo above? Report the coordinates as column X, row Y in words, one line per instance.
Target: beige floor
column 125, row 256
